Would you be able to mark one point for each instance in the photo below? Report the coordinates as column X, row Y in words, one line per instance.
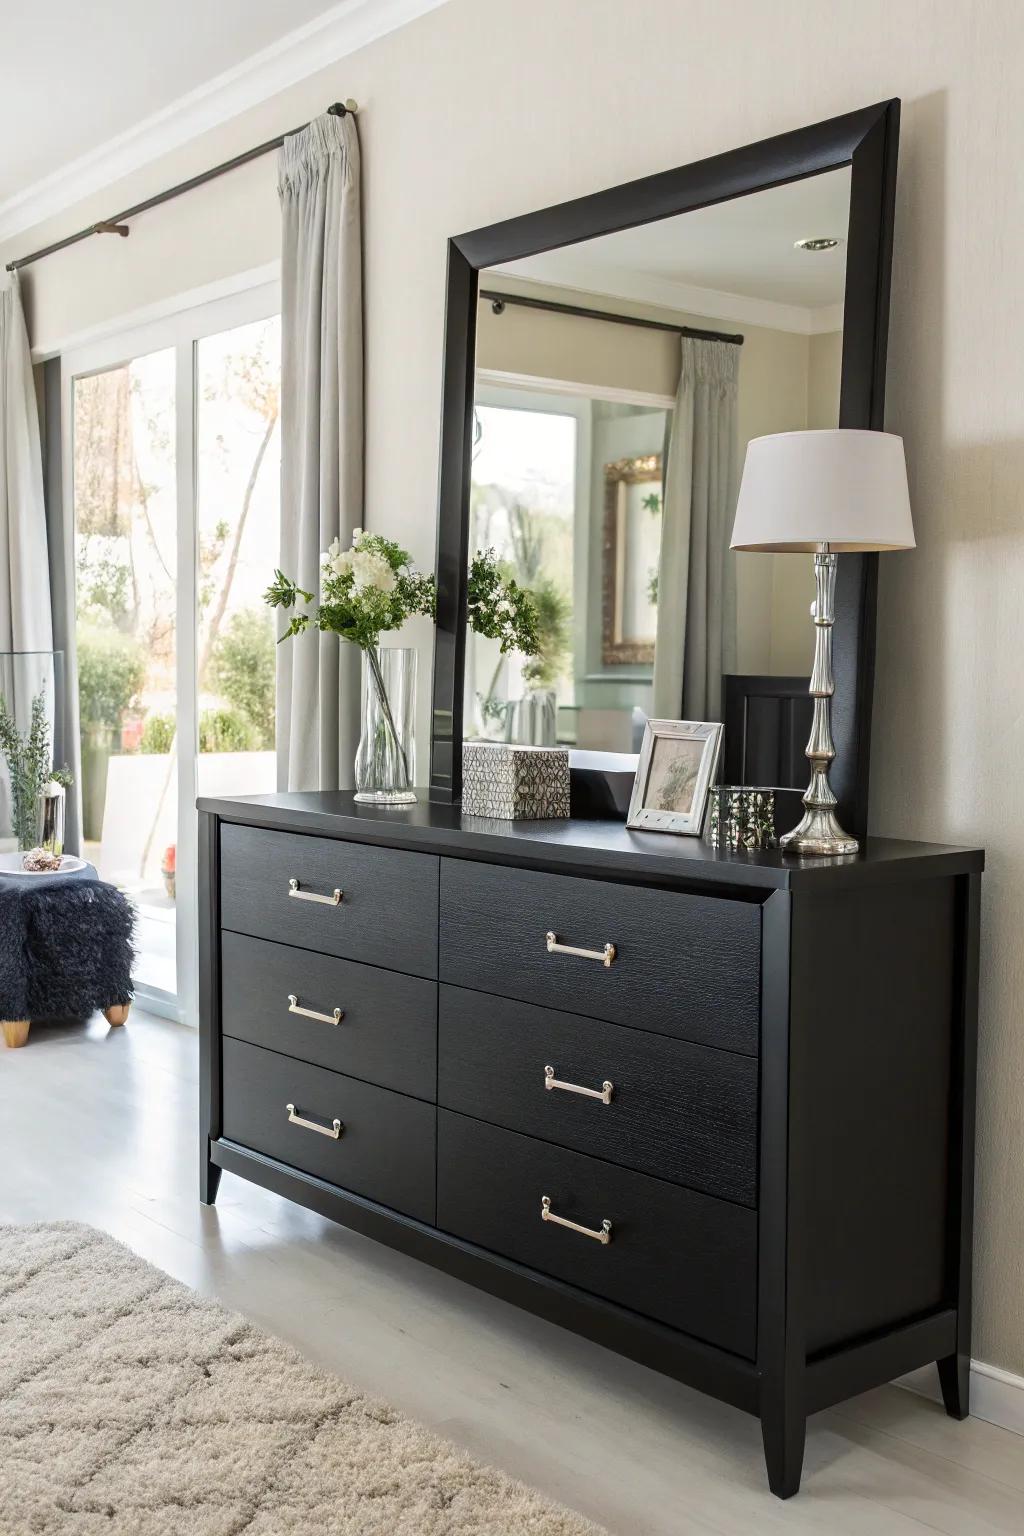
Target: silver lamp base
column 819, row 832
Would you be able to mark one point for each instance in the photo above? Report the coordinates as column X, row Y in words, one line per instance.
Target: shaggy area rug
column 128, row 1404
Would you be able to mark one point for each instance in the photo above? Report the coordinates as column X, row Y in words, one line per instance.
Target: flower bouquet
column 369, row 590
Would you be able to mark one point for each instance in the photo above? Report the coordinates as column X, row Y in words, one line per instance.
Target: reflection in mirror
column 618, row 382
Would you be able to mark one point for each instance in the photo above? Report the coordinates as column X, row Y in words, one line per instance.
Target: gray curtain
column 24, row 569
column 697, row 572
column 25, row 623
column 321, row 437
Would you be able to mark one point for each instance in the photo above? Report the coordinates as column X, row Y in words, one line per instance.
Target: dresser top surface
column 584, row 847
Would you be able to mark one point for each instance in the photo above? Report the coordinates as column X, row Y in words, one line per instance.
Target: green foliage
column 652, row 503
column 365, row 591
column 499, row 608
column 554, row 613
column 243, row 670
column 104, row 580
column 111, row 674
column 30, row 766
column 226, row 730
column 158, row 734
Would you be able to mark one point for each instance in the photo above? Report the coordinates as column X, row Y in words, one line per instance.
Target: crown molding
column 338, row 32
column 677, row 298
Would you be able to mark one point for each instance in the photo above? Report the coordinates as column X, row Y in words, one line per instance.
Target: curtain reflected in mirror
column 618, row 383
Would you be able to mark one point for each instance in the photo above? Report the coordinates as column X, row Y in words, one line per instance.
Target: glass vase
column 532, row 720
column 386, row 760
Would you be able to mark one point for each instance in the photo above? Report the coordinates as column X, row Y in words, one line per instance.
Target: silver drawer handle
column 294, row 889
column 604, row 1093
column 547, row 1214
column 311, row 1125
column 606, row 955
column 294, row 1006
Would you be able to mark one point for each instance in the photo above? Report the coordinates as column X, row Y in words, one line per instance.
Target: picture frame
column 678, row 763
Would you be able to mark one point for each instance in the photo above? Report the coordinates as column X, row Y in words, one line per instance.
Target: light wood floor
column 100, row 1125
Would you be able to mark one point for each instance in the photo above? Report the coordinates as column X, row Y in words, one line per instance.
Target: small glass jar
column 741, row 817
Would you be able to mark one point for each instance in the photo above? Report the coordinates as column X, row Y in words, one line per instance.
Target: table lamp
column 824, row 493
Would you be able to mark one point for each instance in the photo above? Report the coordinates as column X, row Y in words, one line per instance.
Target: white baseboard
column 996, row 1395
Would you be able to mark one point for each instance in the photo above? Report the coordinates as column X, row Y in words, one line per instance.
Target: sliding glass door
column 172, row 458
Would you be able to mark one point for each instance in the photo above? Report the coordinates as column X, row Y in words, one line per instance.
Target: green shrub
column 226, row 730
column 111, row 675
column 243, row 670
column 158, row 734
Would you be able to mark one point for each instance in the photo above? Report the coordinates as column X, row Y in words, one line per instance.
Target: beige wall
column 466, row 120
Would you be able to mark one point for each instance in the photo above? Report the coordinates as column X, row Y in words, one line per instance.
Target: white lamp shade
column 843, row 488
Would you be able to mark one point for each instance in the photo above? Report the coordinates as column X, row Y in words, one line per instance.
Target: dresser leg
column 209, row 1181
column 783, row 1432
column 955, row 1381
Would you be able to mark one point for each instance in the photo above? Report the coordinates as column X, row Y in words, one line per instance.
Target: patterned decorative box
column 514, row 783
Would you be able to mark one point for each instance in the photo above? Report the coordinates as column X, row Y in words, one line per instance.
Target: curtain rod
column 117, row 225
column 499, row 300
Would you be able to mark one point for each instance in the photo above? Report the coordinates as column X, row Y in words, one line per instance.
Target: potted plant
column 168, row 868
column 31, row 772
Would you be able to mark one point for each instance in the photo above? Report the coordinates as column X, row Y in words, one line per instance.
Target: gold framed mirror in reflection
column 630, row 555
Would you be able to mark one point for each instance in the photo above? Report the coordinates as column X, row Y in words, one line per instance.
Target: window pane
column 523, row 503
column 125, row 510
column 238, row 459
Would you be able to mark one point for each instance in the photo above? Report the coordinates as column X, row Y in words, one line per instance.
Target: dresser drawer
column 386, row 1147
column 386, row 914
column 683, row 965
column 680, row 1111
column 674, row 1255
column 387, row 1033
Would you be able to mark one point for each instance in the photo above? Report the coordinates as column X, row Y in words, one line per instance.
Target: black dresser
column 712, row 1110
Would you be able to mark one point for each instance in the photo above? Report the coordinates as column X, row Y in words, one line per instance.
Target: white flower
column 338, row 562
column 371, row 570
column 357, row 534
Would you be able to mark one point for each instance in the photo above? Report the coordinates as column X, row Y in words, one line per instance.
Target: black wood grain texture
column 650, row 1343
column 681, row 1112
column 674, row 1255
column 387, row 1147
column 589, row 847
column 387, row 915
column 687, row 966
column 837, row 1374
column 209, row 1003
column 388, row 1031
column 872, row 1029
column 955, row 1367
column 782, row 1232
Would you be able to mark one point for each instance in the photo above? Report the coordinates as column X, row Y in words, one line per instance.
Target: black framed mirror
column 568, row 472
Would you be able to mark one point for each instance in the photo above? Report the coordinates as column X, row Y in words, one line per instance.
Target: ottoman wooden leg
column 15, row 1032
column 118, row 1013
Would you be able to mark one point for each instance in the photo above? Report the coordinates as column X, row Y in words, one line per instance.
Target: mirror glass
column 618, row 382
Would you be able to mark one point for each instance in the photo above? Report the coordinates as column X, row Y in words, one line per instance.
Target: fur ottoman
column 65, row 952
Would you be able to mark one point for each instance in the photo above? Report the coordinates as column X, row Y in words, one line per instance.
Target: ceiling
column 89, row 93
column 734, row 260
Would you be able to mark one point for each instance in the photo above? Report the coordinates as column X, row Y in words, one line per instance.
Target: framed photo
column 677, row 767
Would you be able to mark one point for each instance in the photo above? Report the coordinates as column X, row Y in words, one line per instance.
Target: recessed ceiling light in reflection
column 818, row 243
